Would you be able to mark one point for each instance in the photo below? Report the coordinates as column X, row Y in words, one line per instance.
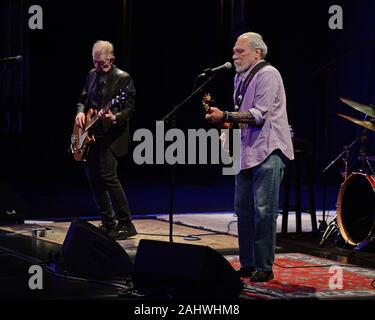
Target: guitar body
column 224, row 138
column 81, row 139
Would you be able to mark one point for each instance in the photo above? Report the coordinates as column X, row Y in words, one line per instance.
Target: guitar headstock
column 121, row 97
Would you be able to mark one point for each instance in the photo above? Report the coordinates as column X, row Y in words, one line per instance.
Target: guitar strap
column 242, row 88
column 238, row 98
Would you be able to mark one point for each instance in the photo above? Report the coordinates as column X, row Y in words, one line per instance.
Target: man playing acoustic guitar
column 111, row 134
column 266, row 146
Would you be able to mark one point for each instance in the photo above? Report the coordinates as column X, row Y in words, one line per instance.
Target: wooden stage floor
column 151, row 229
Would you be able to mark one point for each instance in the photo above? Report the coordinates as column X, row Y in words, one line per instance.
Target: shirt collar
column 244, row 75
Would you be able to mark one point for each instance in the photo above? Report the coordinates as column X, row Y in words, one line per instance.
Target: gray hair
column 256, row 42
column 103, row 47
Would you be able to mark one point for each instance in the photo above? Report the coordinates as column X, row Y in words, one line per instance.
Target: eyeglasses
column 101, row 62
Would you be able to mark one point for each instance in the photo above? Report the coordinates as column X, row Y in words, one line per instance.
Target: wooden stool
column 297, row 174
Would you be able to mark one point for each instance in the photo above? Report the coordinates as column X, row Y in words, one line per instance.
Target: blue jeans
column 257, row 206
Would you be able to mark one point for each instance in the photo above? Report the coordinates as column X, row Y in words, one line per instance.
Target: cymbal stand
column 370, row 166
column 362, row 151
column 345, row 157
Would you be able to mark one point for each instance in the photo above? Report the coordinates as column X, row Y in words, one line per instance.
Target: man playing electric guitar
column 111, row 138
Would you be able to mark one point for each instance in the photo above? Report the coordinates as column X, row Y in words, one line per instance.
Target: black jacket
column 116, row 135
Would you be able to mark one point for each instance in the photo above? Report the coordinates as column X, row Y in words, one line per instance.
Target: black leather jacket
column 116, row 135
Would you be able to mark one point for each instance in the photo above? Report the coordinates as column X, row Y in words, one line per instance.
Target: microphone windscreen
column 227, row 65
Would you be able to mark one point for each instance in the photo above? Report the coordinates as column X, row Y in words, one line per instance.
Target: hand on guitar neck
column 214, row 115
column 107, row 115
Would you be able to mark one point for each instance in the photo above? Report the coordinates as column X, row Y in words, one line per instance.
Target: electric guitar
column 82, row 139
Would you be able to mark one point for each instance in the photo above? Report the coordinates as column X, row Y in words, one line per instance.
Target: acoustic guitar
column 207, row 104
column 82, row 139
column 224, row 138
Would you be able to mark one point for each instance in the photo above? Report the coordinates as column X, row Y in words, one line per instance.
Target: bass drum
column 355, row 209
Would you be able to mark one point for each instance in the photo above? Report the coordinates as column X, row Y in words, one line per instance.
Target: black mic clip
column 212, row 71
column 205, row 73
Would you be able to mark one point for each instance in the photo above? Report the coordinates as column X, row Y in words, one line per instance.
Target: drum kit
column 355, row 215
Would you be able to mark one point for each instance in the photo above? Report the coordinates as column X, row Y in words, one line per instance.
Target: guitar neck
column 206, row 107
column 96, row 117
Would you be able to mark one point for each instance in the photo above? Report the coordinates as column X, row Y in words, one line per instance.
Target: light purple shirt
column 265, row 99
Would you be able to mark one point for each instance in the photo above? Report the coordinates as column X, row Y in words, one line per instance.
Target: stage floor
column 299, row 259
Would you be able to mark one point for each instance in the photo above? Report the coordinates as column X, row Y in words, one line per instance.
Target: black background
column 164, row 45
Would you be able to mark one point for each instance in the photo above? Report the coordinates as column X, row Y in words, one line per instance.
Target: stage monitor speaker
column 90, row 253
column 184, row 271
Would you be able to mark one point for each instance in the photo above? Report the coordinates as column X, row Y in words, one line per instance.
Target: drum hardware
column 345, row 155
column 332, row 229
column 356, row 199
column 339, row 225
column 346, row 224
column 360, row 158
column 366, row 160
column 370, row 238
column 368, row 123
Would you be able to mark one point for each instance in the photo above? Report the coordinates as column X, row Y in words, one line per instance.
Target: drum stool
column 298, row 173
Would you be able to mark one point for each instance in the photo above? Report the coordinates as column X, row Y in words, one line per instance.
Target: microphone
column 225, row 66
column 17, row 58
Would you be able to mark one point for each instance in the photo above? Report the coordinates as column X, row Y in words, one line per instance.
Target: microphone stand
column 171, row 119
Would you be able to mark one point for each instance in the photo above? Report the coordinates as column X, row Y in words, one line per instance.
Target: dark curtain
column 164, row 45
column 14, row 77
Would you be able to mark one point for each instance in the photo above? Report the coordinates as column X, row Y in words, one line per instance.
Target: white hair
column 103, row 47
column 256, row 42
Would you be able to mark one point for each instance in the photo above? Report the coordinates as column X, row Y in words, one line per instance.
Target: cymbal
column 369, row 110
column 366, row 124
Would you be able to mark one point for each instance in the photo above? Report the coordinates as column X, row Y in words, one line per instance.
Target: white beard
column 241, row 68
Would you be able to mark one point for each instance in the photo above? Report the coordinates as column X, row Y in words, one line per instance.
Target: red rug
column 301, row 276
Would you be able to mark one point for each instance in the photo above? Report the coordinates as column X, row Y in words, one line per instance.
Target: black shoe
column 262, row 276
column 123, row 232
column 245, row 272
column 106, row 228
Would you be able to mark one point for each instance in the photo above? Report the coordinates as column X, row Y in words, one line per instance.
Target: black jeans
column 101, row 170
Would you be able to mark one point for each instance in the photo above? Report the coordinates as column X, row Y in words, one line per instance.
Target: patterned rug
column 301, row 276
